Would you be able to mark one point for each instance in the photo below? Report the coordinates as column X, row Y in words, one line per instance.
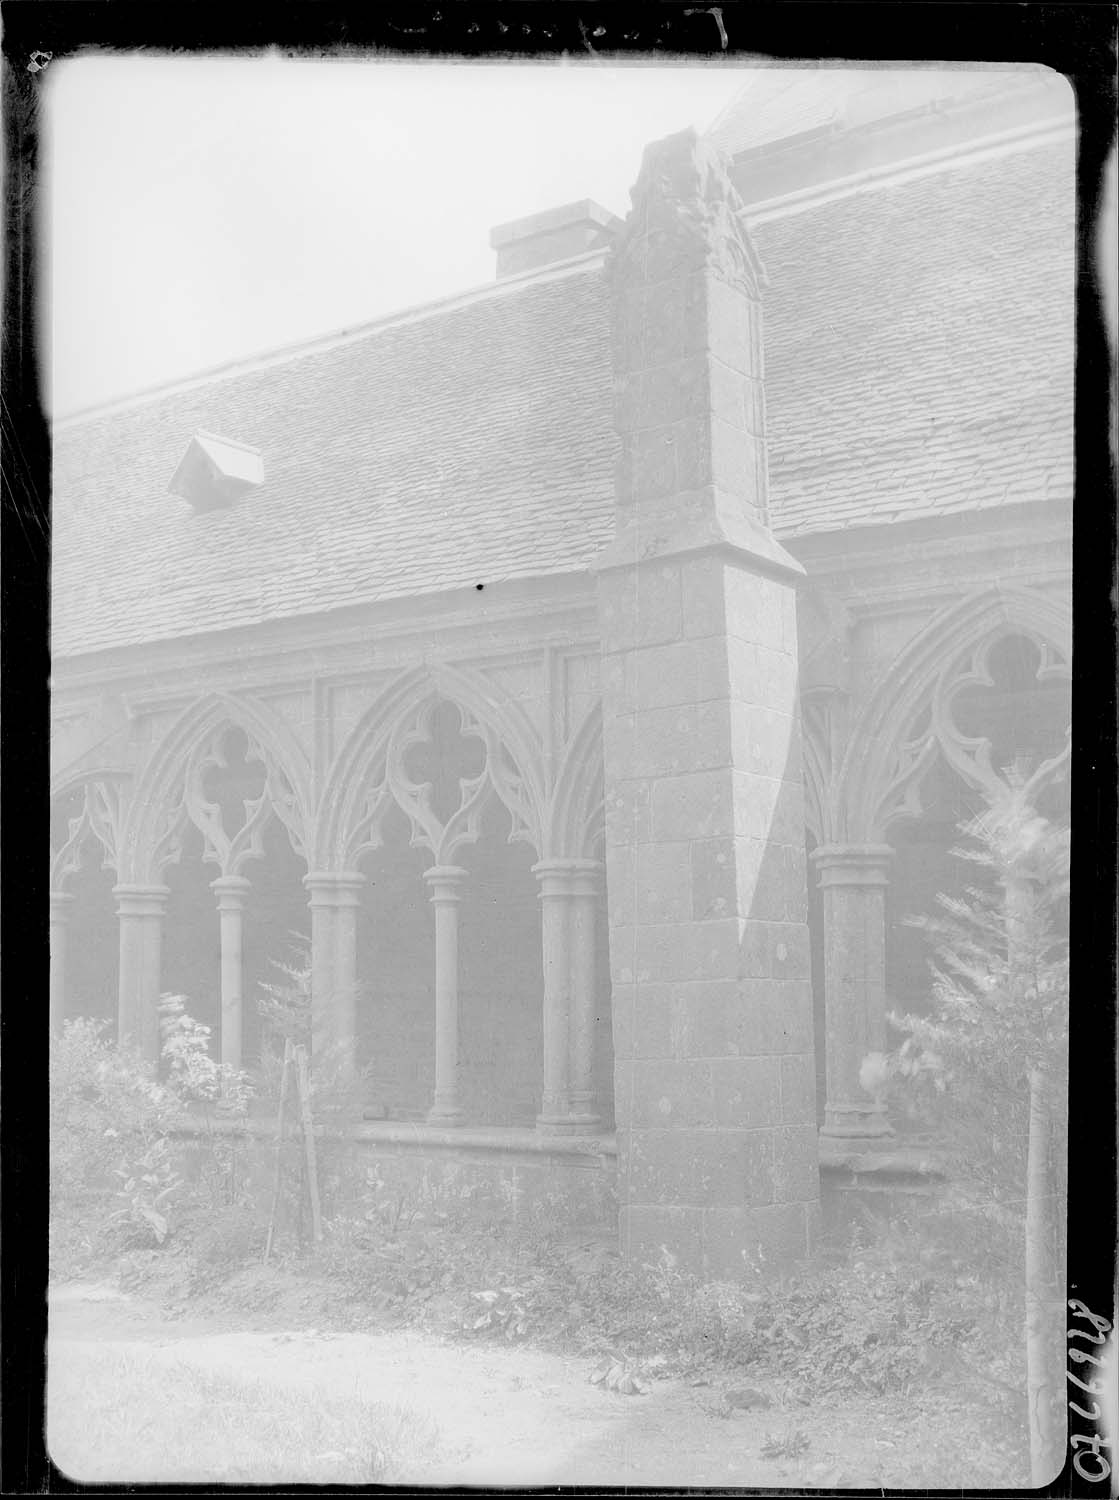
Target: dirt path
column 514, row 1415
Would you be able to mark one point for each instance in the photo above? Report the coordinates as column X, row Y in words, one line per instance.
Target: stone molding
column 853, row 864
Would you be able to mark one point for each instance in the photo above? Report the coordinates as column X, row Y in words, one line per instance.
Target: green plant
column 108, row 1111
column 791, row 1445
column 1000, row 986
column 146, row 1186
column 504, row 1312
column 194, row 1078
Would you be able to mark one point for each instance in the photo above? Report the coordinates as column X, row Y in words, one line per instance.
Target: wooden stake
column 309, row 1141
column 285, row 1074
column 1044, row 1354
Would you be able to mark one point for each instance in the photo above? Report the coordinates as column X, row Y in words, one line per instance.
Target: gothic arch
column 104, row 807
column 815, row 743
column 575, row 814
column 879, row 763
column 362, row 779
column 160, row 808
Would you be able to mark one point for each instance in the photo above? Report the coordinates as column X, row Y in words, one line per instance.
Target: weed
column 792, row 1445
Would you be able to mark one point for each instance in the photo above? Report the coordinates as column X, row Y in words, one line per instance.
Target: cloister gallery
column 589, row 704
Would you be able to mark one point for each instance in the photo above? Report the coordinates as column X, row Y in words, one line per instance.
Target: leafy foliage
column 147, row 1185
column 108, row 1111
column 124, row 1170
column 503, row 1312
column 1000, row 990
column 193, row 1078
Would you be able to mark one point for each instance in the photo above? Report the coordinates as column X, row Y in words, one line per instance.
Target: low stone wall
column 517, row 1176
column 901, row 1178
column 507, row 1174
column 511, row 1174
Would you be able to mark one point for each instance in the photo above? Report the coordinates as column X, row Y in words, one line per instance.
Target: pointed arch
column 514, row 764
column 575, row 827
column 100, row 818
column 879, row 759
column 158, row 815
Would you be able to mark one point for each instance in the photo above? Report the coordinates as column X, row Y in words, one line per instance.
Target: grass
column 115, row 1417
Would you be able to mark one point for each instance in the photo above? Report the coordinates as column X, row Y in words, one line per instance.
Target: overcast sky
column 202, row 210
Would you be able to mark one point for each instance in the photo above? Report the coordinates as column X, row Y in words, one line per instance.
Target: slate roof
column 919, row 361
column 463, row 448
column 777, row 104
column 919, row 346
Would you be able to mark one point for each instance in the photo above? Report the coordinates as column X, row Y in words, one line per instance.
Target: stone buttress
column 715, row 1092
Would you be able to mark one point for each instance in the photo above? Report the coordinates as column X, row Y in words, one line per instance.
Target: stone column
column 445, row 881
column 715, row 1079
column 555, row 937
column 231, row 891
column 61, row 905
column 334, row 899
column 141, row 909
column 853, row 878
column 586, row 876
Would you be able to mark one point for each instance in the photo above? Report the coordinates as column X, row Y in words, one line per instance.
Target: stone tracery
column 101, row 816
column 947, row 704
column 961, row 697
column 442, row 832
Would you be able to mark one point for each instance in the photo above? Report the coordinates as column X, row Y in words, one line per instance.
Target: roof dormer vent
column 215, row 472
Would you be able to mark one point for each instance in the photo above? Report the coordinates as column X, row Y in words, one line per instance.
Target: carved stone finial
column 686, row 215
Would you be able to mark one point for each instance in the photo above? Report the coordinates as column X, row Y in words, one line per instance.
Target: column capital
column 555, row 877
column 231, row 891
column 444, row 881
column 568, row 877
column 141, row 900
column 334, row 888
column 853, row 864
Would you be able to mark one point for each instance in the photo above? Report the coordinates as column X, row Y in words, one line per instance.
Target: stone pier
column 705, row 862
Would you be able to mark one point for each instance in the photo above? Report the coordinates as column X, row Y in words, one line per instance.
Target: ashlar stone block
column 640, row 607
column 688, row 950
column 798, row 1087
column 738, row 1242
column 672, row 1092
column 698, row 1168
column 662, row 883
column 746, row 1091
column 796, row 1164
column 687, row 672
column 698, row 805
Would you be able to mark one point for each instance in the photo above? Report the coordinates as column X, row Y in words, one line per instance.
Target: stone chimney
column 547, row 238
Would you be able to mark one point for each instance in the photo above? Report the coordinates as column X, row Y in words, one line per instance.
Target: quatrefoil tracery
column 391, row 781
column 192, row 804
column 935, row 729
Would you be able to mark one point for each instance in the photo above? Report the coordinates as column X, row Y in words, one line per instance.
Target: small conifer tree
column 1000, row 989
column 990, row 1064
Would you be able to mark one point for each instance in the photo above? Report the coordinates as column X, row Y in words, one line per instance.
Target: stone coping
column 500, row 1139
column 898, row 1159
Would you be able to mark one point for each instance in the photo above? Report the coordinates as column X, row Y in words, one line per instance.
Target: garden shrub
column 109, row 1114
